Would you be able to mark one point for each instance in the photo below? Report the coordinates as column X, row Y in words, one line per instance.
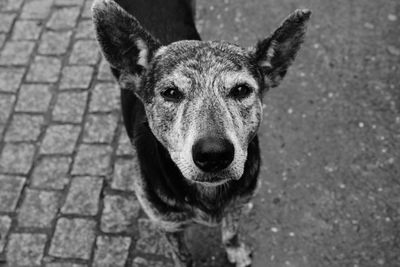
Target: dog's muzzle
column 213, row 154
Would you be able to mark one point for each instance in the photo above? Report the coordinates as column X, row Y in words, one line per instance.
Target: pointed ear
column 276, row 53
column 124, row 43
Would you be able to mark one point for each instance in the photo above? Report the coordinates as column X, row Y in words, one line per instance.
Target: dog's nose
column 213, row 154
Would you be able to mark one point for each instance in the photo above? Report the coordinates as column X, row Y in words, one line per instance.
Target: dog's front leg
column 236, row 251
column 183, row 258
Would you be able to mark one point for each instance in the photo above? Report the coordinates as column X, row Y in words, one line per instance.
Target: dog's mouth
column 214, row 181
column 197, row 176
column 216, row 178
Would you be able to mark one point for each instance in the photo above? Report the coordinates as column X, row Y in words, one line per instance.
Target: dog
column 191, row 109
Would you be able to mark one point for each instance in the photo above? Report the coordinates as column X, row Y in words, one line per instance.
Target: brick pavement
column 65, row 162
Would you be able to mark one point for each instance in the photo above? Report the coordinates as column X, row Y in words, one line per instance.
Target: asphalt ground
column 330, row 135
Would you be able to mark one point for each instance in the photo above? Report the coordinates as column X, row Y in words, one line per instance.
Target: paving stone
column 63, row 18
column 105, row 97
column 5, row 224
column 125, row 146
column 16, row 52
column 73, row 238
column 83, row 196
column 6, row 21
column 141, row 262
column 17, row 158
column 26, row 30
column 11, row 5
column 60, row 139
column 10, row 79
column 2, row 127
column 126, row 171
column 24, row 128
column 151, row 239
column 2, row 39
column 25, row 249
column 76, row 77
column 54, row 43
column 111, row 251
column 44, row 69
column 104, row 73
column 85, row 30
column 34, row 98
column 38, row 208
column 70, row 107
column 68, row 2
column 92, row 160
column 100, row 128
column 51, row 173
column 119, row 214
column 84, row 52
column 65, row 264
column 6, row 104
column 87, row 10
column 36, row 9
column 10, row 191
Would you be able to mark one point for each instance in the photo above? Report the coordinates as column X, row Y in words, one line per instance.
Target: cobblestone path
column 65, row 175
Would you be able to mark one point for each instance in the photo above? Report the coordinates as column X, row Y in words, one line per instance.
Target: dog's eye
column 240, row 91
column 172, row 94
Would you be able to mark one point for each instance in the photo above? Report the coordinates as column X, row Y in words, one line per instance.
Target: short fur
column 164, row 51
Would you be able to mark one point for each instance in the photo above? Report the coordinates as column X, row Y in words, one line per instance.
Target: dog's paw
column 241, row 255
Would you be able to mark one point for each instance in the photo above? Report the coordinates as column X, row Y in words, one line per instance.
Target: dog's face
column 203, row 100
column 204, row 106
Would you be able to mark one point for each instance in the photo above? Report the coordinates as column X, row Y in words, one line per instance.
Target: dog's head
column 203, row 100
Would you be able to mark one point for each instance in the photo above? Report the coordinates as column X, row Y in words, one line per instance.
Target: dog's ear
column 124, row 43
column 276, row 53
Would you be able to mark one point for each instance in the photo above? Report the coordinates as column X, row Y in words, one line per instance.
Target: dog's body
column 163, row 184
column 191, row 109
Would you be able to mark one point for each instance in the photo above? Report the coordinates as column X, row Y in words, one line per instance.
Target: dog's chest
column 207, row 219
column 201, row 211
column 214, row 217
